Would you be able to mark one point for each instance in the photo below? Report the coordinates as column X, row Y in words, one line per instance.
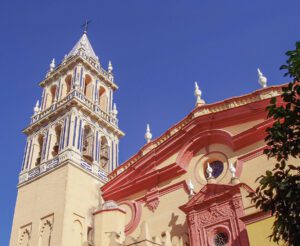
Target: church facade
column 187, row 187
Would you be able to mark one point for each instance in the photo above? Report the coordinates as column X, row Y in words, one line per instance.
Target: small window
column 217, row 167
column 221, row 239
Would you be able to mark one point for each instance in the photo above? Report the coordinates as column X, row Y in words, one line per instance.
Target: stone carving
column 215, row 214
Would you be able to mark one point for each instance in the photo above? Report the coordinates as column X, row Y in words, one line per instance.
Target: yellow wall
column 68, row 195
column 258, row 232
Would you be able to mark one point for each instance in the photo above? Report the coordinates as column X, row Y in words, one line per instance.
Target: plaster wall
column 259, row 231
column 68, row 194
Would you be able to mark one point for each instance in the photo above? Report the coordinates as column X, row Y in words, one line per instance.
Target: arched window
column 221, row 239
column 57, row 136
column 53, row 93
column 66, row 87
column 104, row 153
column 102, row 99
column 24, row 238
column 88, row 87
column 87, row 149
column 39, row 149
column 45, row 234
column 217, row 168
column 77, row 233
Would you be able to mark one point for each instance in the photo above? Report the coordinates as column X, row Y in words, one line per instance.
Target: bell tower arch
column 72, row 144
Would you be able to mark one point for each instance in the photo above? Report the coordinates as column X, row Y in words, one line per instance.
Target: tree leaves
column 279, row 189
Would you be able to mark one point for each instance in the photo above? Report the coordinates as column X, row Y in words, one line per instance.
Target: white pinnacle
column 198, row 94
column 148, row 135
column 52, row 65
column 36, row 109
column 262, row 80
column 209, row 171
column 232, row 170
column 110, row 67
column 191, row 188
column 115, row 111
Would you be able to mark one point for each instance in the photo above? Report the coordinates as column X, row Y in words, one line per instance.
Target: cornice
column 240, row 107
column 71, row 62
column 67, row 104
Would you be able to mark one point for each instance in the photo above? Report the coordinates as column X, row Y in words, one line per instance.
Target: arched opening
column 87, row 149
column 88, row 87
column 77, row 233
column 53, row 93
column 40, row 142
column 66, row 88
column 57, row 135
column 45, row 237
column 24, row 239
column 104, row 153
column 102, row 99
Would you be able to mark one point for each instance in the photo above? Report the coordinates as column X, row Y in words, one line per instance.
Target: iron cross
column 86, row 25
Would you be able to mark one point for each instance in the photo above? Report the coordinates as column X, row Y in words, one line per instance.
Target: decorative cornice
column 75, row 99
column 202, row 112
column 66, row 157
column 73, row 60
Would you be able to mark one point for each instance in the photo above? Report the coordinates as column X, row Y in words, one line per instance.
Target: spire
column 262, row 80
column 198, row 94
column 148, row 135
column 83, row 45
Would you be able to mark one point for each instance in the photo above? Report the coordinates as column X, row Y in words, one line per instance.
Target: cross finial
column 85, row 26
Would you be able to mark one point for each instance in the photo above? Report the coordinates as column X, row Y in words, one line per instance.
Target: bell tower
column 72, row 144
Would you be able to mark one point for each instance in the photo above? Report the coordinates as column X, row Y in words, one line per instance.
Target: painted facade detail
column 188, row 187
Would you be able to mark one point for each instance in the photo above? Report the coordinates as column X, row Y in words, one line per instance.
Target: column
column 26, row 154
column 44, row 147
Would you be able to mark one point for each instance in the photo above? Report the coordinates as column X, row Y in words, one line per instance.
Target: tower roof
column 84, row 45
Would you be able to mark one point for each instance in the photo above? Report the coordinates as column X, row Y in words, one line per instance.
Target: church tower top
column 83, row 45
column 76, row 120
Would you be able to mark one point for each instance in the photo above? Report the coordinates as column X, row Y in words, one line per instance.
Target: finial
column 110, row 67
column 234, row 178
column 198, row 94
column 232, row 170
column 115, row 111
column 191, row 188
column 52, row 65
column 262, row 80
column 65, row 59
column 209, row 171
column 36, row 109
column 148, row 135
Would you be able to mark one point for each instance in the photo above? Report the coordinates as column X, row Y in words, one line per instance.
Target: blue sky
column 158, row 49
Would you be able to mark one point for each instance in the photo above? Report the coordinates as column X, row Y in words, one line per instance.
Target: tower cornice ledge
column 89, row 62
column 78, row 100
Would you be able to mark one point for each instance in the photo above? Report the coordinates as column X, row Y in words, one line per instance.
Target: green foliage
column 279, row 189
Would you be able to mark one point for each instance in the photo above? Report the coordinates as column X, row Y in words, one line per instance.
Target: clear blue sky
column 158, row 49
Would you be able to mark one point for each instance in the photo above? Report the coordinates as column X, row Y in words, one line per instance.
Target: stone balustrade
column 50, row 165
column 75, row 94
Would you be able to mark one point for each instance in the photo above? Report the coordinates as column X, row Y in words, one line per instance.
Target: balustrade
column 76, row 94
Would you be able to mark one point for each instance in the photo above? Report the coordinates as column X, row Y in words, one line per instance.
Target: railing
column 76, row 94
column 51, row 164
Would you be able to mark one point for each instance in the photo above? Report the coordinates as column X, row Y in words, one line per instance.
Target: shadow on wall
column 178, row 232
